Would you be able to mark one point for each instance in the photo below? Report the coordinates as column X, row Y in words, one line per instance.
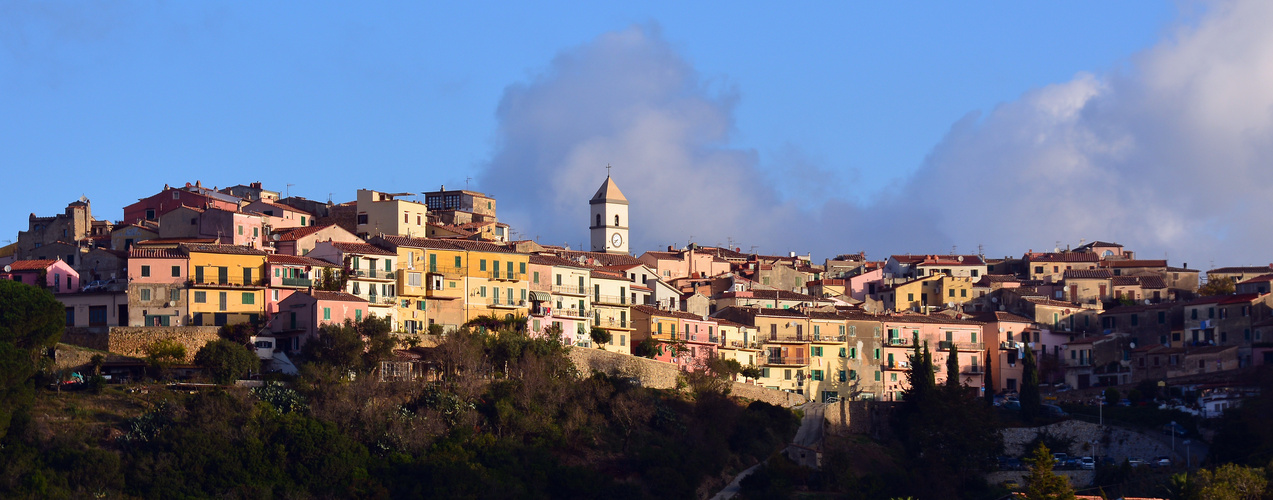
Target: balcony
column 371, row 274
column 899, row 341
column 449, row 271
column 787, row 338
column 497, row 304
column 1009, row 344
column 617, row 300
column 227, row 282
column 496, row 274
column 787, row 361
column 972, row 370
column 298, row 282
column 962, row 346
column 612, row 323
column 830, row 338
column 571, row 312
column 569, row 290
column 744, row 345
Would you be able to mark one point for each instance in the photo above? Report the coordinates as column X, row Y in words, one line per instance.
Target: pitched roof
column 480, row 246
column 341, row 296
column 1240, row 270
column 362, row 248
column 1263, row 278
column 155, row 253
column 1089, row 246
column 297, row 260
column 1085, row 274
column 301, row 232
column 225, row 249
column 1063, row 257
column 281, row 206
column 953, row 260
column 925, row 318
column 553, row 260
column 654, row 311
column 1133, row 263
column 31, row 264
column 407, row 241
column 609, row 192
column 600, row 258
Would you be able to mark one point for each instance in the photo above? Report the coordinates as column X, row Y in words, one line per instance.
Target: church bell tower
column 609, row 219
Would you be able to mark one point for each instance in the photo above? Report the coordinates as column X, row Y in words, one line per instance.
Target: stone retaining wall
column 859, row 417
column 660, row 375
column 132, row 340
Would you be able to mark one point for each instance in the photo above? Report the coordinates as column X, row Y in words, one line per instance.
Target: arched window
column 598, row 224
column 616, row 220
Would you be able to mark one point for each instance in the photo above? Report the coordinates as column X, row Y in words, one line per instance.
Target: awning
column 540, row 296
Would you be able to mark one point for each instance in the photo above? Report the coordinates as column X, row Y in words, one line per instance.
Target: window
column 521, row 267
column 963, row 292
column 1135, row 319
column 240, row 230
column 1193, row 314
column 877, row 375
column 481, row 265
column 327, row 313
column 910, row 297
column 1162, row 317
column 817, row 375
column 145, row 271
column 892, row 377
column 616, row 220
column 952, row 292
column 362, row 218
column 357, row 314
column 174, row 295
column 145, row 294
column 877, row 353
column 201, row 297
column 256, row 232
column 249, row 298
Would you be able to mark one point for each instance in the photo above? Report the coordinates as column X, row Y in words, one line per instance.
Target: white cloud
column 1169, row 155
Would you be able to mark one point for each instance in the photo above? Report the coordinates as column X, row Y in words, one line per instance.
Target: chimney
column 198, row 183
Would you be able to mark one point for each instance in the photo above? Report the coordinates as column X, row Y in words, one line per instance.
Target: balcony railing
column 571, row 312
column 505, row 304
column 612, row 323
column 371, row 274
column 213, row 281
column 830, row 338
column 744, row 345
column 610, row 299
column 569, row 290
column 899, row 341
column 447, row 270
column 972, row 370
column 496, row 274
column 787, row 360
column 787, row 338
column 301, row 282
column 962, row 346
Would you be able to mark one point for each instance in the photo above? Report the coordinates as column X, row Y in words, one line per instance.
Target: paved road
column 804, row 448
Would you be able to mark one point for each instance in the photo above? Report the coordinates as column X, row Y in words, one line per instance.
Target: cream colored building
column 383, row 213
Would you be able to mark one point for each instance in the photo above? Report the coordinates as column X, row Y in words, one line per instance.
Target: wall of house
column 659, row 375
column 387, row 216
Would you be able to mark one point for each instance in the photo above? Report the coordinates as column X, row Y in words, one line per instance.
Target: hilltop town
column 193, row 256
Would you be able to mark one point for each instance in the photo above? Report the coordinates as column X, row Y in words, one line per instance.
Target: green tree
column 337, row 346
column 162, row 354
column 225, row 361
column 952, row 369
column 1031, row 401
column 31, row 321
column 1043, row 484
column 1112, row 396
column 1232, row 482
column 988, row 386
column 600, row 336
column 1218, row 286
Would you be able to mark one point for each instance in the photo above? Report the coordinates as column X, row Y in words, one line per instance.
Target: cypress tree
column 1031, row 404
column 952, row 369
column 989, row 386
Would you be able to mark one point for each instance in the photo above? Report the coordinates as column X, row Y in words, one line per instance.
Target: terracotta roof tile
column 340, row 296
column 301, row 232
column 31, row 264
column 1088, row 274
column 1063, row 257
column 1133, row 263
column 654, row 311
column 553, row 260
column 1240, row 270
column 360, row 248
column 224, row 249
column 156, row 253
column 297, row 260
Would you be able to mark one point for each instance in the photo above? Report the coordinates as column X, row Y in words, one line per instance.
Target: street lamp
column 1188, row 459
column 1172, row 431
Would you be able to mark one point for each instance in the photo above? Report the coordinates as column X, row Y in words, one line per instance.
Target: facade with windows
column 226, row 284
column 369, row 272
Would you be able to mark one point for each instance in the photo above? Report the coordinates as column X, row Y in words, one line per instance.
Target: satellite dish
column 7, row 268
column 994, row 300
column 1147, row 302
column 274, row 237
column 960, row 258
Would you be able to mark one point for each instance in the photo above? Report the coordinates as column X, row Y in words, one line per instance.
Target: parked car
column 1087, row 463
column 1124, row 402
column 1135, row 461
column 1162, row 462
column 1060, row 460
column 93, row 286
column 1054, row 411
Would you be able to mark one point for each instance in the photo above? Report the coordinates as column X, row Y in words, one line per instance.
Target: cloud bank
column 1169, row 156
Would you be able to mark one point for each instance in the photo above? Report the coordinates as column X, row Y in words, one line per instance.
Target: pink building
column 291, row 273
column 685, row 263
column 304, row 313
column 55, row 275
column 301, row 240
column 151, row 208
column 862, row 285
column 280, row 216
column 943, row 335
column 227, row 226
column 157, row 286
column 686, row 340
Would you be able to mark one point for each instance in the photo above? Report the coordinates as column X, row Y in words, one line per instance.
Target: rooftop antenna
column 289, row 190
column 981, row 250
column 953, row 249
column 466, row 182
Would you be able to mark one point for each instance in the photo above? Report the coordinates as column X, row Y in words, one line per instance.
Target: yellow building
column 495, row 281
column 227, row 284
column 785, row 345
column 828, row 370
column 913, row 295
column 954, row 291
column 612, row 307
column 383, row 213
column 430, row 282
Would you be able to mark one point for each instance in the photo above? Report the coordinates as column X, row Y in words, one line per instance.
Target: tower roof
column 610, row 193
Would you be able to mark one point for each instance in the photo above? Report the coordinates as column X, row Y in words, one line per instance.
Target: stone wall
column 660, row 375
column 1090, row 439
column 132, row 341
column 859, row 417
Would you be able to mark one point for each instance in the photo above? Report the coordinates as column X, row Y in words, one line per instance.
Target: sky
column 819, row 128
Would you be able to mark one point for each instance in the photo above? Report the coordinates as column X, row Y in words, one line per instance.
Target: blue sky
column 828, row 105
